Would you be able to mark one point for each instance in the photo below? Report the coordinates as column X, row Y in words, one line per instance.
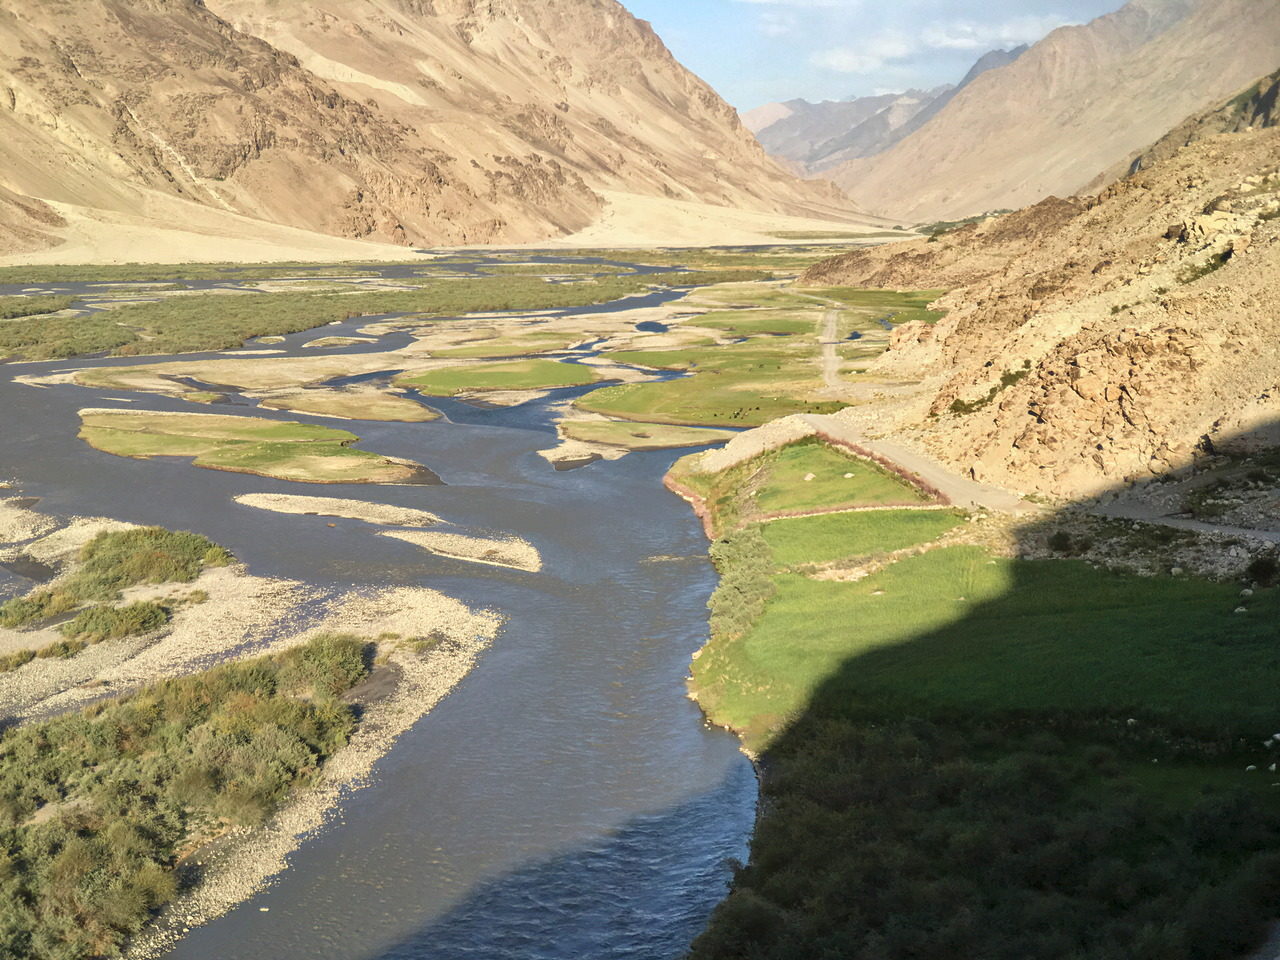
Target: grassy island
column 285, row 450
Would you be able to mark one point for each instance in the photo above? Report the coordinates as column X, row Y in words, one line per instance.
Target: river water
column 567, row 800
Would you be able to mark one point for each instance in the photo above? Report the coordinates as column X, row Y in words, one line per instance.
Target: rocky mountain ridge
column 813, row 137
column 424, row 122
column 1077, row 103
column 1101, row 341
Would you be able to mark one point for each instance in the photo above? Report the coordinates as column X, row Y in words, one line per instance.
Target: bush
column 113, row 561
column 112, row 623
column 1264, row 571
column 127, row 784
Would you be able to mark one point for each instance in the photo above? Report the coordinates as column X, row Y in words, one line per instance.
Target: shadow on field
column 1019, row 760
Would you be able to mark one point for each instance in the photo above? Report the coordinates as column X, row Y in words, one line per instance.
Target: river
column 567, row 800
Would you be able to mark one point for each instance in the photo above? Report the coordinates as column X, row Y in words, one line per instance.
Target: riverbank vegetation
column 110, row 563
column 210, row 322
column 97, row 808
column 282, row 449
column 12, row 308
column 977, row 755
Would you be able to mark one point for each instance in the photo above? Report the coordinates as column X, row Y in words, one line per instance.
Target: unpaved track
column 961, row 491
column 830, row 357
column 1146, row 514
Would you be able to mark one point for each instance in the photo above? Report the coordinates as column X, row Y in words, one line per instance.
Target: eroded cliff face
column 414, row 122
column 1099, row 341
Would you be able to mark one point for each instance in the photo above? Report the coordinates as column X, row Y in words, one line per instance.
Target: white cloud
column 970, row 35
column 895, row 46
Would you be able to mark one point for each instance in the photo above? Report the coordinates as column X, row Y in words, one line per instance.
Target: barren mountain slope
column 106, row 96
column 448, row 122
column 1112, row 344
column 1078, row 102
column 1257, row 106
column 812, row 137
column 808, row 136
column 581, row 83
column 25, row 224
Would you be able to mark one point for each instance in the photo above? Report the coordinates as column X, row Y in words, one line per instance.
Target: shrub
column 112, row 623
column 1264, row 571
column 127, row 784
column 41, row 605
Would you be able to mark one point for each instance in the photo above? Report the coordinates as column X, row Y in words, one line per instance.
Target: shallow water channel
column 567, row 800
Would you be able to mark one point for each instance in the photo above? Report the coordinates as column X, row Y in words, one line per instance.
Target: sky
column 760, row 51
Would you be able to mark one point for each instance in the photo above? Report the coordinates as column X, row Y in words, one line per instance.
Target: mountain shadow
column 1053, row 741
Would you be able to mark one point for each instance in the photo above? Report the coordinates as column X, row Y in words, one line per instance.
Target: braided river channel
column 567, row 799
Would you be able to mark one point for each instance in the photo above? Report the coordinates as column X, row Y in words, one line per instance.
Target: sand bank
column 501, row 552
column 380, row 513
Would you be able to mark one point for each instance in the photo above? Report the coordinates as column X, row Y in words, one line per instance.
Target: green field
column 784, row 488
column 847, row 536
column 743, row 384
column 285, row 450
column 478, row 377
column 774, row 483
column 973, row 755
column 864, row 309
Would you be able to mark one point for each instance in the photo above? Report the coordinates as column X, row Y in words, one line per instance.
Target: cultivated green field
column 973, row 755
column 478, row 377
column 785, row 487
column 851, row 536
column 774, row 484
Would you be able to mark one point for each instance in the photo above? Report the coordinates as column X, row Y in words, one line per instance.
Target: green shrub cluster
column 100, row 623
column 95, row 806
column 904, row 839
column 746, row 568
column 12, row 308
column 111, row 562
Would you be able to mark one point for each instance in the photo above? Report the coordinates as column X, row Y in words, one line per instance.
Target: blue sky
column 758, row 51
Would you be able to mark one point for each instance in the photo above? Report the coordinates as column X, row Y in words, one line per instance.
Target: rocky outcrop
column 1078, row 102
column 1256, row 107
column 26, row 224
column 1099, row 341
column 955, row 259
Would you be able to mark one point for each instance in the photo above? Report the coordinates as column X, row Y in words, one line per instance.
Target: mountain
column 406, row 121
column 1095, row 342
column 1078, row 102
column 1257, row 106
column 812, row 137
